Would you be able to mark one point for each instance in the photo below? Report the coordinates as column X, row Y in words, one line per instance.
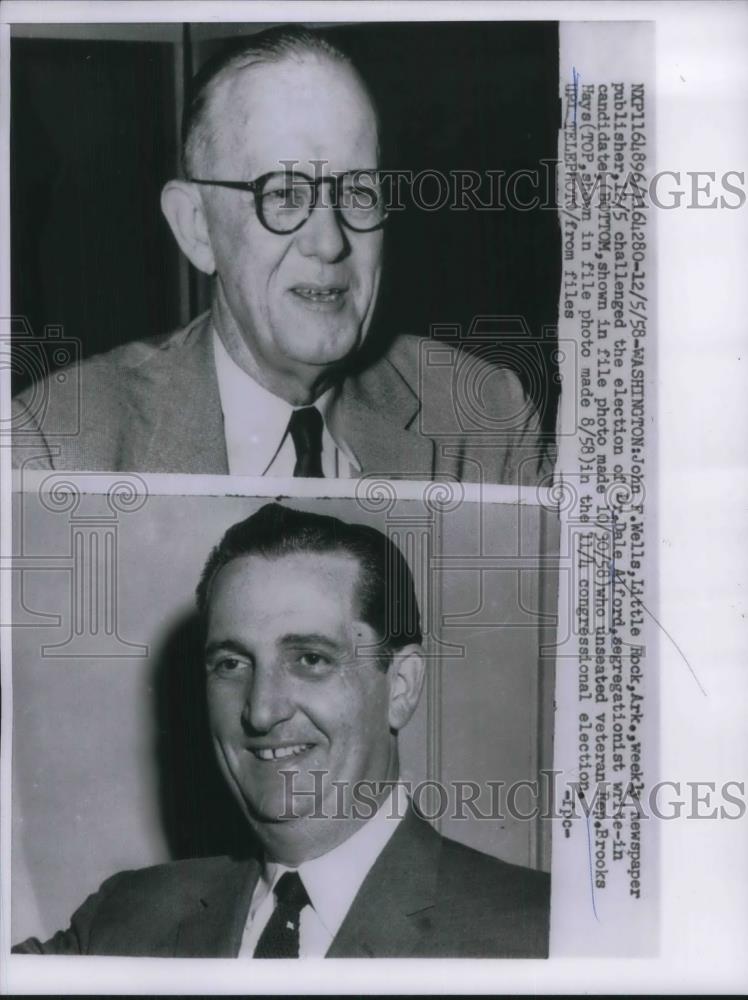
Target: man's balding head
column 205, row 109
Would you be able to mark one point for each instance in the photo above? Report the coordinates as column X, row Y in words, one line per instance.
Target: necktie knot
column 305, row 428
column 290, row 891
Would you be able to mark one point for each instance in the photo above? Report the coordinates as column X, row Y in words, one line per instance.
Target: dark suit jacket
column 154, row 406
column 425, row 896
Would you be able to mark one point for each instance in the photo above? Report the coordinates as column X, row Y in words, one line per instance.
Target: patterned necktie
column 280, row 937
column 305, row 427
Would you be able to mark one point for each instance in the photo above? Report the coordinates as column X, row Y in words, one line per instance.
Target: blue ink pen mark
column 613, row 571
column 592, row 877
column 575, row 84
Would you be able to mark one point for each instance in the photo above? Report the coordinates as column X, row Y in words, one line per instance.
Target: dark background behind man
column 94, row 132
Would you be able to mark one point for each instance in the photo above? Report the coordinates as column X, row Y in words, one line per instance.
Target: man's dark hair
column 386, row 594
column 269, row 46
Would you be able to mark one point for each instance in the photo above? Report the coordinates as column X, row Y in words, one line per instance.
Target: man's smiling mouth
column 280, row 753
column 320, row 293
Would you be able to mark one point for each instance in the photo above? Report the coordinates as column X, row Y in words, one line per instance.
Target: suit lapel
column 376, row 416
column 176, row 423
column 214, row 927
column 391, row 912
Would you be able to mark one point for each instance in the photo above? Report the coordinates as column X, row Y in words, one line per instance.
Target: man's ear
column 407, row 671
column 183, row 207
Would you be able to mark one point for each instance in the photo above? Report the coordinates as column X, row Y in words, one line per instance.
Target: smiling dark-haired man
column 282, row 203
column 314, row 664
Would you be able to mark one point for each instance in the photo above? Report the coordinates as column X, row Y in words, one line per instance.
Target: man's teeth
column 278, row 753
column 319, row 294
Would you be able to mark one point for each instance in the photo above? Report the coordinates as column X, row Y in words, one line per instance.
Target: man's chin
column 286, row 805
column 269, row 811
column 318, row 343
column 326, row 355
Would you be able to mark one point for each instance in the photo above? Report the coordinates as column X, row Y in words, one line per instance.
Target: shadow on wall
column 199, row 815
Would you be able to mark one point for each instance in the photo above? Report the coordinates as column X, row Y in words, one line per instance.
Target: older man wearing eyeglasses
column 282, row 203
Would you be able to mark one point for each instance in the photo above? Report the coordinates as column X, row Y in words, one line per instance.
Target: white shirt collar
column 333, row 879
column 256, row 424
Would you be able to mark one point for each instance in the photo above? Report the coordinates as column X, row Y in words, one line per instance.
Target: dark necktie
column 280, row 937
column 305, row 427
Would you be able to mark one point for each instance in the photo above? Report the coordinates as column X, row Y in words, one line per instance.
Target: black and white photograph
column 371, row 497
column 273, row 220
column 312, row 728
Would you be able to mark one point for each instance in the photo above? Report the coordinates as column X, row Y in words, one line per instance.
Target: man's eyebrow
column 293, row 639
column 226, row 646
column 290, row 640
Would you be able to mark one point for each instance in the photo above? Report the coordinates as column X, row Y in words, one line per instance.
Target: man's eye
column 362, row 198
column 227, row 666
column 289, row 196
column 313, row 660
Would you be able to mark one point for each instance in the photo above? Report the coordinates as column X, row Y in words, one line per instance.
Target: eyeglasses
column 284, row 200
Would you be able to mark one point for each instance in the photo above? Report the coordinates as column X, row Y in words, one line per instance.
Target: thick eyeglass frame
column 315, row 183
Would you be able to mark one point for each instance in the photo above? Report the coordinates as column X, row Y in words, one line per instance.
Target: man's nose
column 267, row 700
column 322, row 235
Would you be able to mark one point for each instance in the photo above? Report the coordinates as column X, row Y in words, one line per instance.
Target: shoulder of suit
column 110, row 369
column 483, row 871
column 490, row 908
column 469, row 857
column 169, row 881
column 139, row 912
column 422, row 362
column 85, row 409
column 139, row 353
